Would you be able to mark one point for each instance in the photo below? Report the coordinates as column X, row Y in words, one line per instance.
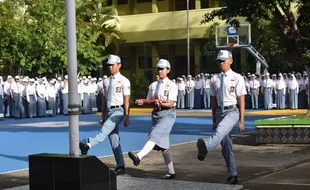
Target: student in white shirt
column 32, row 99
column 51, row 93
column 206, row 91
column 280, row 92
column 293, row 89
column 41, row 94
column 181, row 94
column 190, row 84
column 254, row 86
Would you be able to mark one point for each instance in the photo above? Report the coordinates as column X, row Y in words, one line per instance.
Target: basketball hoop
column 230, row 46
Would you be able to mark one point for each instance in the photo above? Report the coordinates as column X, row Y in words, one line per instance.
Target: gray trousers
column 32, row 106
column 267, row 98
column 86, row 103
column 41, row 107
column 280, row 99
column 24, row 108
column 180, row 102
column 190, row 100
column 254, row 97
column 8, row 106
column 16, row 106
column 51, row 105
column 197, row 101
column 293, row 101
column 225, row 122
column 206, row 97
column 110, row 129
column 65, row 102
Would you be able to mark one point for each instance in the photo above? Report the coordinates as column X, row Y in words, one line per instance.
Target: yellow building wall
column 142, row 8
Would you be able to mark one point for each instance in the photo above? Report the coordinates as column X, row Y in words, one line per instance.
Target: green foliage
column 139, row 88
column 33, row 36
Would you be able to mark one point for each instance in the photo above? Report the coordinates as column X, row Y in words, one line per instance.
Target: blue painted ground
column 19, row 138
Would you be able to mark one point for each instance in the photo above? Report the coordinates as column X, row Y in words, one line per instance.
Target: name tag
column 118, row 89
column 231, row 89
column 166, row 93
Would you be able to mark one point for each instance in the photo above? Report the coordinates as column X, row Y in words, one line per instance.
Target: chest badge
column 166, row 93
column 118, row 89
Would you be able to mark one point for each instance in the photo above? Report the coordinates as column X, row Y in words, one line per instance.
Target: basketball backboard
column 227, row 36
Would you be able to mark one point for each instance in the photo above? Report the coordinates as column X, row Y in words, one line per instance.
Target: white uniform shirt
column 206, row 83
column 198, row 84
column 254, row 84
column 167, row 91
column 120, row 88
column 93, row 88
column 190, row 84
column 41, row 90
column 31, row 90
column 7, row 88
column 51, row 92
column 65, row 88
column 59, row 85
column 268, row 83
column 281, row 85
column 304, row 84
column 14, row 88
column 181, row 86
column 234, row 87
column 21, row 89
column 1, row 91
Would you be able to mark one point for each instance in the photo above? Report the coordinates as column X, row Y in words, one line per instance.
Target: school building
column 155, row 29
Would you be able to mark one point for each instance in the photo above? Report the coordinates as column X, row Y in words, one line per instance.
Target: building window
column 143, row 1
column 204, row 4
column 182, row 5
column 122, row 2
column 145, row 62
column 125, row 64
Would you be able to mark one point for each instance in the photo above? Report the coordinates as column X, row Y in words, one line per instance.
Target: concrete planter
column 282, row 131
column 61, row 172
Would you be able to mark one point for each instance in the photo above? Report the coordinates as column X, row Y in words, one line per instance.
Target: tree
column 288, row 16
column 33, row 36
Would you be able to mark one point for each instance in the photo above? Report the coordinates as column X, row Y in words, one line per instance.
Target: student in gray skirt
column 163, row 98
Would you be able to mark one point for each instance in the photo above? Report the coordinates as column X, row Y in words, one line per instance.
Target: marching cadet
column 163, row 118
column 267, row 89
column 280, row 92
column 92, row 95
column 206, row 91
column 51, row 93
column 254, row 87
column 227, row 91
column 86, row 98
column 64, row 96
column 190, row 84
column 7, row 97
column 293, row 89
column 24, row 102
column 115, row 108
column 41, row 99
column 197, row 92
column 32, row 99
column 181, row 94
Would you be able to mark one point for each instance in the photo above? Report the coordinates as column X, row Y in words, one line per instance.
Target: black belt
column 162, row 108
column 267, row 87
column 253, row 88
column 119, row 106
column 228, row 107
